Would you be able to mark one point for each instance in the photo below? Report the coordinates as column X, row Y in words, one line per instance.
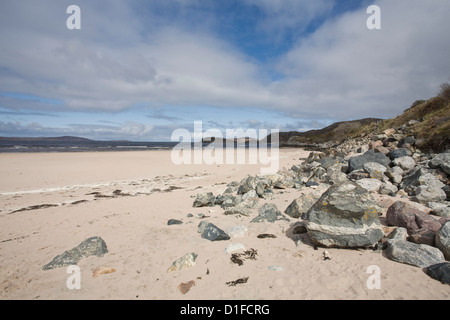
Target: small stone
column 234, row 247
column 184, row 287
column 186, row 261
column 276, row 268
column 174, row 221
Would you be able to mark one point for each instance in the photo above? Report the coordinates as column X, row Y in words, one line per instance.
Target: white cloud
column 120, row 59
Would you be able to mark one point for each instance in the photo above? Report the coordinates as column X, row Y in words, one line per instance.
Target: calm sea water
column 18, row 146
column 80, row 146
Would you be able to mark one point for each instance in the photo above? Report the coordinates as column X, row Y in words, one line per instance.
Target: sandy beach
column 51, row 202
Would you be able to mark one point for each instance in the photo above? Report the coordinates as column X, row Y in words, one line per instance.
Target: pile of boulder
column 346, row 215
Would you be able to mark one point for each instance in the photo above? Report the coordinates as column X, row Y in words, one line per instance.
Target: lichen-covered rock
column 344, row 216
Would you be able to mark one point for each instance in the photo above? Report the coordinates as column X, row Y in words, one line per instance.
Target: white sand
column 141, row 246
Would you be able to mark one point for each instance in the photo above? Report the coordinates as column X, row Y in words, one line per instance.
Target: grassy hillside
column 432, row 130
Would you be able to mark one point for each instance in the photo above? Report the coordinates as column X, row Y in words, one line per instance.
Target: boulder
column 94, row 246
column 420, row 176
column 268, row 212
column 371, row 185
column 423, row 236
column 247, row 184
column 406, row 162
column 355, row 163
column 211, row 232
column 442, row 161
column 443, row 239
column 206, row 199
column 419, row 255
column 301, row 205
column 395, row 174
column 403, row 214
column 440, row 272
column 399, row 233
column 344, row 216
column 429, row 193
column 398, row 153
column 375, row 170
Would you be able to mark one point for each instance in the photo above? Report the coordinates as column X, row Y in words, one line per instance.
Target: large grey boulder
column 345, row 216
column 419, row 255
column 94, row 246
column 355, row 163
column 443, row 240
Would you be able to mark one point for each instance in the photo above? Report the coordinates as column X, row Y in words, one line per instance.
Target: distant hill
column 52, row 139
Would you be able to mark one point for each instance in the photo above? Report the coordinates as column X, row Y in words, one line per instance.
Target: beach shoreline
column 51, row 202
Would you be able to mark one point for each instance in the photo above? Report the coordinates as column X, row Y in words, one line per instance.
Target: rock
column 238, row 211
column 419, row 255
column 335, row 174
column 375, row 170
column 344, row 216
column 442, row 161
column 440, row 272
column 388, row 188
column 315, row 156
column 94, row 246
column 398, row 153
column 399, row 233
column 439, row 209
column 423, row 236
column 276, row 268
column 174, row 221
column 186, row 261
column 301, row 205
column 211, row 232
column 406, row 162
column 355, row 163
column 419, row 177
column 371, row 185
column 184, row 287
column 429, row 193
column 204, row 200
column 395, row 174
column 229, row 200
column 237, row 231
column 403, row 214
column 268, row 212
column 247, row 184
column 234, row 247
column 409, row 140
column 443, row 239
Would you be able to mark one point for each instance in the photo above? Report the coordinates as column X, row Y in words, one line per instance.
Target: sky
column 138, row 70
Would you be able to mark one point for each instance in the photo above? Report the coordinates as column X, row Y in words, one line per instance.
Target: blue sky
column 138, row 69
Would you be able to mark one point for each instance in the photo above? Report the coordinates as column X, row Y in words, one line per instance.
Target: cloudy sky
column 138, row 69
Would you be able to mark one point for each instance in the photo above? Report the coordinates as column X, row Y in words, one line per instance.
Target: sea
column 19, row 146
column 46, row 145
